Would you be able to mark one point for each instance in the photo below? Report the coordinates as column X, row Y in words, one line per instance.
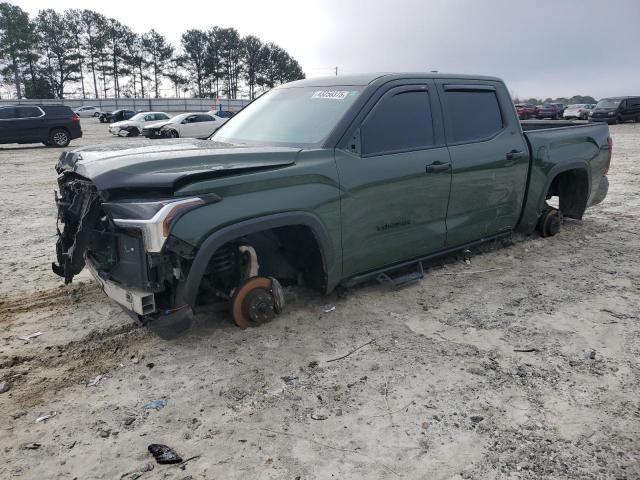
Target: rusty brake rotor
column 256, row 301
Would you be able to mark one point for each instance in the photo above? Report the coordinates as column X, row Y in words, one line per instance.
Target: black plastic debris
column 164, row 454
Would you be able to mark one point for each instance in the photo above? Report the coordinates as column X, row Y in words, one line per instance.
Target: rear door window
column 28, row 112
column 400, row 121
column 205, row 118
column 473, row 115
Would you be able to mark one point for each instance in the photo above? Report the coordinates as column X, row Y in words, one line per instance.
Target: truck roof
column 369, row 78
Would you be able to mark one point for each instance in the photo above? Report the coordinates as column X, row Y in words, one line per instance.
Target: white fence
column 155, row 104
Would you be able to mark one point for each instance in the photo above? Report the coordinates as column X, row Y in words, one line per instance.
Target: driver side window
column 400, row 122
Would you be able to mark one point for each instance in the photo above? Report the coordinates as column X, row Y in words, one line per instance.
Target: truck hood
column 169, row 165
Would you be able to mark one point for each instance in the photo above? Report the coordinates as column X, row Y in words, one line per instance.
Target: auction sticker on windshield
column 330, row 94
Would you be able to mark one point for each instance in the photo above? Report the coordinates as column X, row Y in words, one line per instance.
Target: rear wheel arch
column 571, row 183
column 303, row 225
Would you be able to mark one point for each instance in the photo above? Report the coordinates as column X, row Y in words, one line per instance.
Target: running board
column 401, row 280
column 383, row 272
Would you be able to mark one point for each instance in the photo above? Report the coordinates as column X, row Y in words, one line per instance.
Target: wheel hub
column 256, row 301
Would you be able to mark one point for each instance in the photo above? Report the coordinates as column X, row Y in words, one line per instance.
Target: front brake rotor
column 256, row 301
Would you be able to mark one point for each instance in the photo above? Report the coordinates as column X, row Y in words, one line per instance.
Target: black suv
column 116, row 116
column 53, row 125
column 616, row 110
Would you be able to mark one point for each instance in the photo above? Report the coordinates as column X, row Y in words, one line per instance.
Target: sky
column 541, row 48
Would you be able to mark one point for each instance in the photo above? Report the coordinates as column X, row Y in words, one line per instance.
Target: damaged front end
column 79, row 211
column 123, row 245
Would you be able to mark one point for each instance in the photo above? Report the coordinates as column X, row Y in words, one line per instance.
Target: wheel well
column 59, row 128
column 291, row 254
column 572, row 189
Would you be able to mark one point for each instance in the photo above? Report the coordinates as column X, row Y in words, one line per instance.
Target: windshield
column 608, row 103
column 297, row 116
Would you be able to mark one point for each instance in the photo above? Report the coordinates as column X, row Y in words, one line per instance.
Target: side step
column 401, row 280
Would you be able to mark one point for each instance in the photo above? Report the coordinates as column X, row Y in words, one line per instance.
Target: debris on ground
column 5, row 387
column 329, row 308
column 46, row 417
column 318, row 416
column 156, row 404
column 94, row 381
column 134, row 475
column 31, row 446
column 26, row 338
column 164, row 454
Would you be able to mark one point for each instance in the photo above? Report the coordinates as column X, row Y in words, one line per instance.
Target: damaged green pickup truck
column 324, row 183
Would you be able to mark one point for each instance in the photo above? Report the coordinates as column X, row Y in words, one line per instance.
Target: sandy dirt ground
column 524, row 363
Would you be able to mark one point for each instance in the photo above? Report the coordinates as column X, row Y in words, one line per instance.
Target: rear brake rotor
column 256, row 301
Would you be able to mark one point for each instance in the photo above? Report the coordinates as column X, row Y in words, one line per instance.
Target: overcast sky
column 539, row 47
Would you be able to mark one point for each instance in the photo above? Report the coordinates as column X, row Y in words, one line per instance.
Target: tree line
column 576, row 99
column 81, row 51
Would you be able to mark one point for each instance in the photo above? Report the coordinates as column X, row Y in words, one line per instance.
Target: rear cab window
column 473, row 113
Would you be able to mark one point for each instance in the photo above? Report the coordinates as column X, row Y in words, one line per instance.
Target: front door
column 8, row 125
column 489, row 158
column 395, row 177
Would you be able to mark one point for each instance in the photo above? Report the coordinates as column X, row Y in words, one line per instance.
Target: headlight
column 152, row 218
column 611, row 114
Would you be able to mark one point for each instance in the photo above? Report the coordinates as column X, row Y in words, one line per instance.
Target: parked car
column 579, row 110
column 53, row 125
column 88, row 111
column 116, row 116
column 298, row 187
column 548, row 110
column 616, row 110
column 526, row 111
column 136, row 124
column 223, row 113
column 190, row 125
column 560, row 107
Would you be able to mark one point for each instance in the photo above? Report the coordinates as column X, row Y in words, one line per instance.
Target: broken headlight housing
column 151, row 218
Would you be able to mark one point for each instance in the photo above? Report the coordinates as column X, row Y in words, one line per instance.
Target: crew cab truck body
column 325, row 182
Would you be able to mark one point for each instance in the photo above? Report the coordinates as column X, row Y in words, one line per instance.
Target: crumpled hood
column 157, row 124
column 170, row 164
column 123, row 124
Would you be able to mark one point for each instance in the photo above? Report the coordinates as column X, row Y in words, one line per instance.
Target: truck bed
column 559, row 145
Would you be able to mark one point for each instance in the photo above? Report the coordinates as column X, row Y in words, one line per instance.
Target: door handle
column 515, row 154
column 438, row 167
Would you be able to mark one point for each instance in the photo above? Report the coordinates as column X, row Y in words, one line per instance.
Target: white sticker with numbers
column 330, row 94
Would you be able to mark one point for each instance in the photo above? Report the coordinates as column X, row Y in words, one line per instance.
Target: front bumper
column 152, row 133
column 138, row 301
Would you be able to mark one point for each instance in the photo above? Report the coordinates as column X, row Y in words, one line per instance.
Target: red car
column 526, row 110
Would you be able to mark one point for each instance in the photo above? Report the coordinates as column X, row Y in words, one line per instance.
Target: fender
column 253, row 225
column 561, row 168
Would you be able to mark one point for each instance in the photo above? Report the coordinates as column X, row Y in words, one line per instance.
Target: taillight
column 610, row 143
column 75, row 117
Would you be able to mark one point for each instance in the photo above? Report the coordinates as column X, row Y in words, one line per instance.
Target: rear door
column 395, row 177
column 489, row 157
column 30, row 123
